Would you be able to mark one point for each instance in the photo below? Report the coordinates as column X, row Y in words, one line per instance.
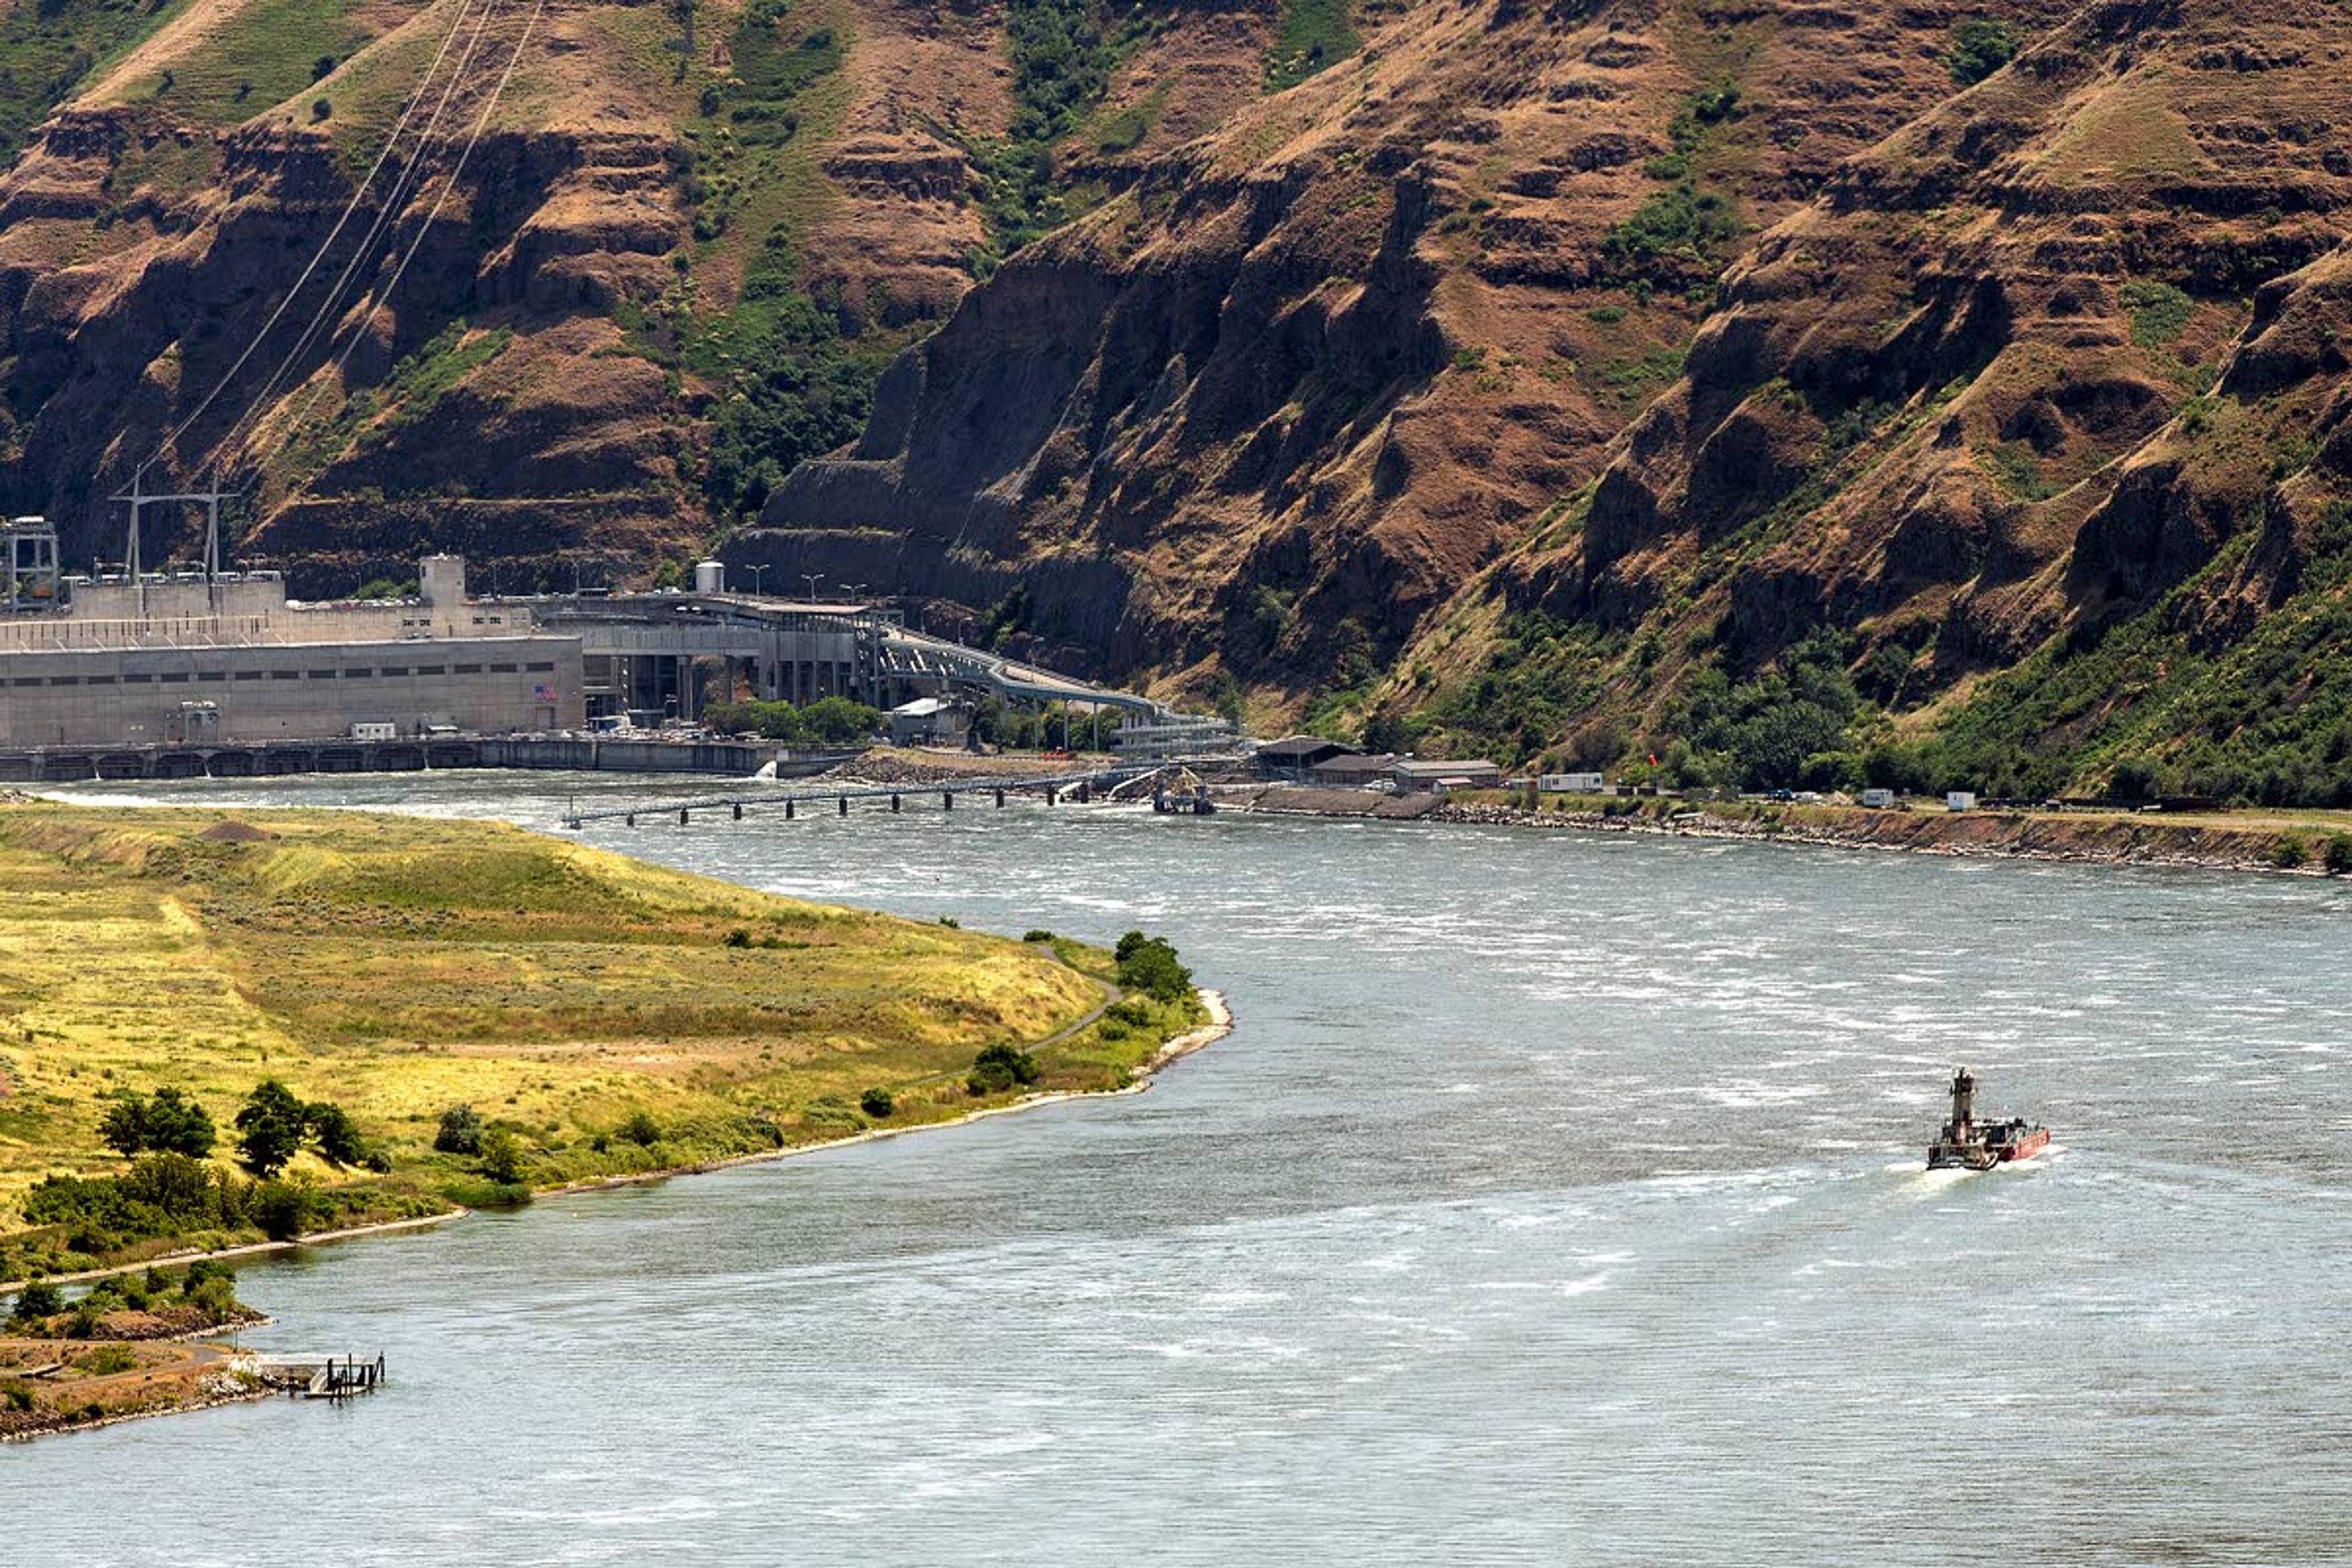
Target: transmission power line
column 359, row 195
column 383, row 296
column 325, row 315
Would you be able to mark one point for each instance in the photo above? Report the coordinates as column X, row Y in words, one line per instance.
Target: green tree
column 170, row 1122
column 176, row 1125
column 502, row 1157
column 283, row 1209
column 641, row 1129
column 877, row 1103
column 1148, row 964
column 798, row 388
column 1385, row 732
column 1767, row 733
column 270, row 1127
column 36, row 1301
column 331, row 1129
column 124, row 1128
column 2135, row 779
column 839, row 721
column 185, row 1189
column 460, row 1131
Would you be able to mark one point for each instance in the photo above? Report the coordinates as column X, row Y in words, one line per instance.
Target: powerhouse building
column 189, row 660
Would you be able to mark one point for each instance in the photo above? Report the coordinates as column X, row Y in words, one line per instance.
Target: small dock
column 321, row 1377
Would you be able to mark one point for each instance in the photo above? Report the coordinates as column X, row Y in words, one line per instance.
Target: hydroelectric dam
column 189, row 673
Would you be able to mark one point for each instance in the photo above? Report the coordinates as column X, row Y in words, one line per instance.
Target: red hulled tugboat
column 1966, row 1143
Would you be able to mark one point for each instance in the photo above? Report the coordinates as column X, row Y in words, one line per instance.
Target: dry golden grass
column 398, row 966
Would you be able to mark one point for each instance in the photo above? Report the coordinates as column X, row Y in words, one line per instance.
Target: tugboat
column 1966, row 1143
column 1182, row 794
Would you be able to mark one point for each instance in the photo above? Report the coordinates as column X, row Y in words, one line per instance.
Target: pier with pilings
column 335, row 1377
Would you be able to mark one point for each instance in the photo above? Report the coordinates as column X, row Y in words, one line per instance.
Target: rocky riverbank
column 2299, row 843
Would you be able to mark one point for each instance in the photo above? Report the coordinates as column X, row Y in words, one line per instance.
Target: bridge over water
column 1081, row 785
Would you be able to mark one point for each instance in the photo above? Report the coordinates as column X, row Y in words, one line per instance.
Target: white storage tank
column 710, row 577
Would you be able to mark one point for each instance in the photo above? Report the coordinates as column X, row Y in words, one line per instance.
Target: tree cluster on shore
column 829, row 721
column 201, row 1296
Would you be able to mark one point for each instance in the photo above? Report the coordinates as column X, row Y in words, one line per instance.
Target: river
column 1558, row 1199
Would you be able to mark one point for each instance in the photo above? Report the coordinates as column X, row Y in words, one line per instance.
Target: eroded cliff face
column 2032, row 362
column 1268, row 414
column 543, row 386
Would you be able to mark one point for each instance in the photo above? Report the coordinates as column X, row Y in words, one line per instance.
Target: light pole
column 813, row 579
column 758, row 573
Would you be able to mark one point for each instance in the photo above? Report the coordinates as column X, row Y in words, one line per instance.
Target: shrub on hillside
column 1000, row 1068
column 877, row 1103
column 1981, row 46
column 2335, row 855
column 641, row 1129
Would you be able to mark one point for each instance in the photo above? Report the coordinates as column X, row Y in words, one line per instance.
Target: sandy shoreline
column 1219, row 1025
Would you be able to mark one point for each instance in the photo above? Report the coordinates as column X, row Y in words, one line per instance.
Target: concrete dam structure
column 188, row 660
column 224, row 667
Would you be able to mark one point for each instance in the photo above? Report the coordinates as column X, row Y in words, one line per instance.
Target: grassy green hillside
column 49, row 48
column 609, row 1017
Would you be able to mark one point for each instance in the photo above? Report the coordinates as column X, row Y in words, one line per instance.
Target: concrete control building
column 183, row 660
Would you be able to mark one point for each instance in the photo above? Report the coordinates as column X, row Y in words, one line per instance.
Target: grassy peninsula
column 544, row 1013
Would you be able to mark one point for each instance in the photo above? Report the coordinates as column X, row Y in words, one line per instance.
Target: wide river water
column 1558, row 1199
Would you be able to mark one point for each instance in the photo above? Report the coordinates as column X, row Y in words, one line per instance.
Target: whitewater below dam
column 1557, row 1199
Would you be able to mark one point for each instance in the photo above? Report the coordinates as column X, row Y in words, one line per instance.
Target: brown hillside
column 1273, row 408
column 542, row 380
column 2033, row 360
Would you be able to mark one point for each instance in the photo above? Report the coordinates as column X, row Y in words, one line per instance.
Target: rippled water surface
column 1556, row 1200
